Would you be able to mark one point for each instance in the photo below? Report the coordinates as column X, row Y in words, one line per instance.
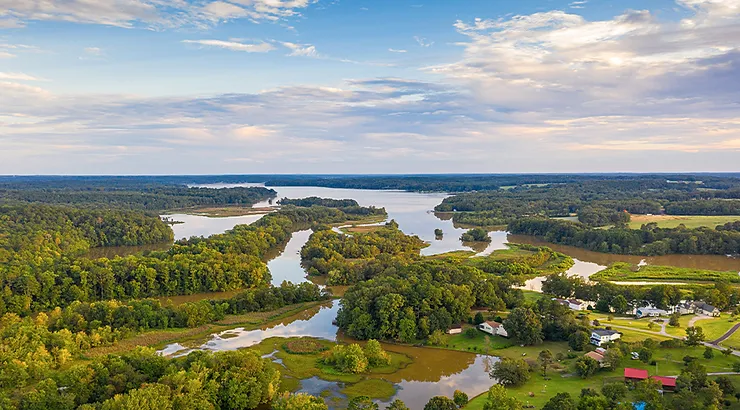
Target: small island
column 475, row 235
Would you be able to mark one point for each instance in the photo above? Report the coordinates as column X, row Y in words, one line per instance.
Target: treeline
column 34, row 347
column 596, row 202
column 422, row 297
column 41, row 230
column 541, row 261
column 349, row 258
column 233, row 260
column 438, row 182
column 151, row 197
column 142, row 379
column 649, row 240
column 316, row 201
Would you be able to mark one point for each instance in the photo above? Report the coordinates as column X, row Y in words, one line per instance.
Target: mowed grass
column 669, row 363
column 714, row 327
column 672, row 221
column 622, row 271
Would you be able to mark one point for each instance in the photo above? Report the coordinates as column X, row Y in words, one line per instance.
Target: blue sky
column 344, row 86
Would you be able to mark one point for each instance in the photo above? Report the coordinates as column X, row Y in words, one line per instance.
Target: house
column 701, row 308
column 631, row 374
column 649, row 311
column 693, row 307
column 573, row 304
column 493, row 328
column 454, row 330
column 667, row 383
column 597, row 356
column 601, row 336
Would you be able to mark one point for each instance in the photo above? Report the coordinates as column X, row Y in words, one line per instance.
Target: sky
column 360, row 86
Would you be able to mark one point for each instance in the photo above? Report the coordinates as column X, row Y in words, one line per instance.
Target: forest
column 53, row 274
column 649, row 240
column 147, row 197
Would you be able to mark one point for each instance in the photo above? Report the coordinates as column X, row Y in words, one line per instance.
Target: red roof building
column 635, row 374
column 668, row 383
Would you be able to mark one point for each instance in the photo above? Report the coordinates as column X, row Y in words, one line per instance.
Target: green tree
column 440, row 403
column 675, row 319
column 510, row 372
column 579, row 340
column 524, row 325
column 362, row 403
column 479, row 318
column 613, row 358
column 498, row 399
column 708, row 353
column 151, row 397
column 586, row 366
column 614, row 392
column 561, row 401
column 397, row 405
column 471, row 333
column 299, row 401
column 460, row 398
column 725, row 384
column 437, row 338
column 593, row 403
column 694, row 336
column 545, row 359
column 619, row 304
column 375, row 354
column 645, row 355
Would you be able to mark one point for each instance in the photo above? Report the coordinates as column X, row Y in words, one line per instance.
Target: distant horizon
column 482, row 174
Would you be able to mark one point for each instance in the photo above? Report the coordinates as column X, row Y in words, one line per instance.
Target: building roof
column 594, row 355
column 575, row 301
column 651, row 309
column 705, row 306
column 665, row 381
column 604, row 332
column 631, row 373
column 493, row 324
column 456, row 326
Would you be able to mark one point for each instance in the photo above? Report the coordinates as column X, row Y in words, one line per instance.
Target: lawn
column 627, row 272
column 669, row 363
column 672, row 221
column 715, row 327
column 681, row 330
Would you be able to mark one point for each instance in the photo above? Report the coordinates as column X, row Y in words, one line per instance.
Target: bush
column 471, row 333
column 304, row 346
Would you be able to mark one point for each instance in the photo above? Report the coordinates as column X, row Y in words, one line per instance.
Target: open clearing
column 691, row 221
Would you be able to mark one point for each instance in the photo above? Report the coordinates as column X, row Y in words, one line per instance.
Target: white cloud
column 302, row 50
column 393, row 50
column 5, row 54
column 94, row 51
column 146, row 13
column 262, row 47
column 17, row 77
column 423, row 41
column 578, row 4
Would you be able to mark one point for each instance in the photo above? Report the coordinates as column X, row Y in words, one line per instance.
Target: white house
column 493, row 328
column 683, row 308
column 649, row 311
column 602, row 336
column 454, row 330
column 573, row 304
column 701, row 308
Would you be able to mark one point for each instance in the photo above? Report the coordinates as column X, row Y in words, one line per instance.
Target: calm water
column 199, row 225
column 433, row 371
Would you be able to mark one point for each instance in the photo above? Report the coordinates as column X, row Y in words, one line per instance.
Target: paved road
column 726, row 335
column 708, row 344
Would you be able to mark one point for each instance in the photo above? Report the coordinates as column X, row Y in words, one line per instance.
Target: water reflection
column 315, row 322
column 199, row 225
column 412, row 210
column 287, row 265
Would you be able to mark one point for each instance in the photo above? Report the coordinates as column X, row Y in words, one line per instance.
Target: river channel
column 434, row 372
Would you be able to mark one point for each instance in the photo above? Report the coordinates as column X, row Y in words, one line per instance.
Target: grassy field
column 681, row 330
column 715, row 327
column 294, row 367
column 672, row 221
column 626, row 272
column 668, row 361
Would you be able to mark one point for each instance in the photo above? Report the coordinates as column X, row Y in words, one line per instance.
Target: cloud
column 18, row 77
column 262, row 47
column 94, row 51
column 147, row 13
column 578, row 4
column 5, row 54
column 423, row 41
column 393, row 50
column 302, row 50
